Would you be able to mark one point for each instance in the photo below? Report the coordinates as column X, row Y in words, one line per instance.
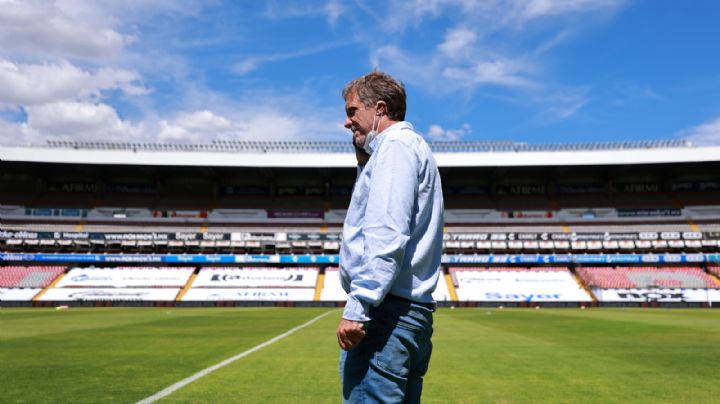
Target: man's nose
column 348, row 123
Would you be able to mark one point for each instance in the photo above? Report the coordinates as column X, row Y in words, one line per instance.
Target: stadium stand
column 279, row 207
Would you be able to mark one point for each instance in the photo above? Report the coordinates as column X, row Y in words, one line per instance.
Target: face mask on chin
column 371, row 135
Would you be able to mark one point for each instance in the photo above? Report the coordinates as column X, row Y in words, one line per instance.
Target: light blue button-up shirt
column 392, row 237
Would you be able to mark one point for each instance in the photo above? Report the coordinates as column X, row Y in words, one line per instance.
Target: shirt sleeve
column 386, row 227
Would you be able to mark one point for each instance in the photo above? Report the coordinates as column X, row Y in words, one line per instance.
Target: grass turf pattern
column 481, row 355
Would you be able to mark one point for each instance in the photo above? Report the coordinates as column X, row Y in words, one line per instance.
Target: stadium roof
column 340, row 154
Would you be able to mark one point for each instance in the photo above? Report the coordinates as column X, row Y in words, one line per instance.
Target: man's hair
column 378, row 86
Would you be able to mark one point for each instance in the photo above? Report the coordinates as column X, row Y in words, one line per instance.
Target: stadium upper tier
column 236, row 153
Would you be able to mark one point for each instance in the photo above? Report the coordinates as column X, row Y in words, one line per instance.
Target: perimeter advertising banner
column 518, row 286
column 333, row 291
column 110, row 294
column 17, row 295
column 257, row 277
column 249, row 294
column 126, row 277
column 657, row 295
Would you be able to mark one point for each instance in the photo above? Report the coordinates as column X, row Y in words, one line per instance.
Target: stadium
column 601, row 238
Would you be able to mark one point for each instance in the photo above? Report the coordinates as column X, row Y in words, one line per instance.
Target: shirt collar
column 375, row 143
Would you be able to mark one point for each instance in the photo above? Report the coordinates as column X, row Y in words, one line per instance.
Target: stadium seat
column 646, row 277
column 28, row 277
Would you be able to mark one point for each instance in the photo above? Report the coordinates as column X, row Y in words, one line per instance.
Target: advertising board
column 518, row 286
column 250, row 294
column 109, row 294
column 257, row 277
column 126, row 277
column 17, row 295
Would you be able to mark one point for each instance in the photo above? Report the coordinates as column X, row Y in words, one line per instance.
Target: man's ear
column 381, row 108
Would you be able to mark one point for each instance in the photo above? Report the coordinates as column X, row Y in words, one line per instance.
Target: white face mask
column 371, row 135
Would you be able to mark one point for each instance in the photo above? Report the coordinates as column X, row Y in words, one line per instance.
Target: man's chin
column 359, row 141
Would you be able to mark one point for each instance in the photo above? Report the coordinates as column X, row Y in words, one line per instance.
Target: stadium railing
column 249, row 146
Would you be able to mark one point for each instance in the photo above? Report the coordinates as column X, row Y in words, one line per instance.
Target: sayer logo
column 521, row 297
column 652, row 296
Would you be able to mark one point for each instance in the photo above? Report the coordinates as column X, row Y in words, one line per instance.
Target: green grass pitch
column 481, row 355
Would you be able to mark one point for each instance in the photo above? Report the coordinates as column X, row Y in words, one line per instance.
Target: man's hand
column 350, row 333
column 361, row 155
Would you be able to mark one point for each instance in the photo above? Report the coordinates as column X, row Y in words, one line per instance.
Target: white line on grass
column 184, row 382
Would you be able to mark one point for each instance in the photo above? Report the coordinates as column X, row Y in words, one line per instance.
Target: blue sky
column 537, row 71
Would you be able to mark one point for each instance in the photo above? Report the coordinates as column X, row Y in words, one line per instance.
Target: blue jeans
column 388, row 365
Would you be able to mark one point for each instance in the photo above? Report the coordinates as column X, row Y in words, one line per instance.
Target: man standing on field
column 390, row 254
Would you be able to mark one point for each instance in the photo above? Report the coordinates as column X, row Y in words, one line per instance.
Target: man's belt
column 390, row 296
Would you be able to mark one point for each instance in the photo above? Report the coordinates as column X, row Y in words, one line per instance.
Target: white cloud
column 706, row 134
column 630, row 92
column 435, row 73
column 44, row 27
column 533, row 9
column 458, row 42
column 253, row 62
column 247, row 124
column 333, row 10
column 84, row 121
column 486, row 15
column 31, row 84
column 506, row 73
column 198, row 127
column 561, row 103
column 273, row 125
column 204, row 121
column 76, row 121
column 259, row 115
column 11, row 133
column 494, row 43
column 490, row 15
column 246, row 66
column 411, row 13
column 413, row 69
column 438, row 133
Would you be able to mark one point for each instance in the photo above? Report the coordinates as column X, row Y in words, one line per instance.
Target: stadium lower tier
column 231, row 285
